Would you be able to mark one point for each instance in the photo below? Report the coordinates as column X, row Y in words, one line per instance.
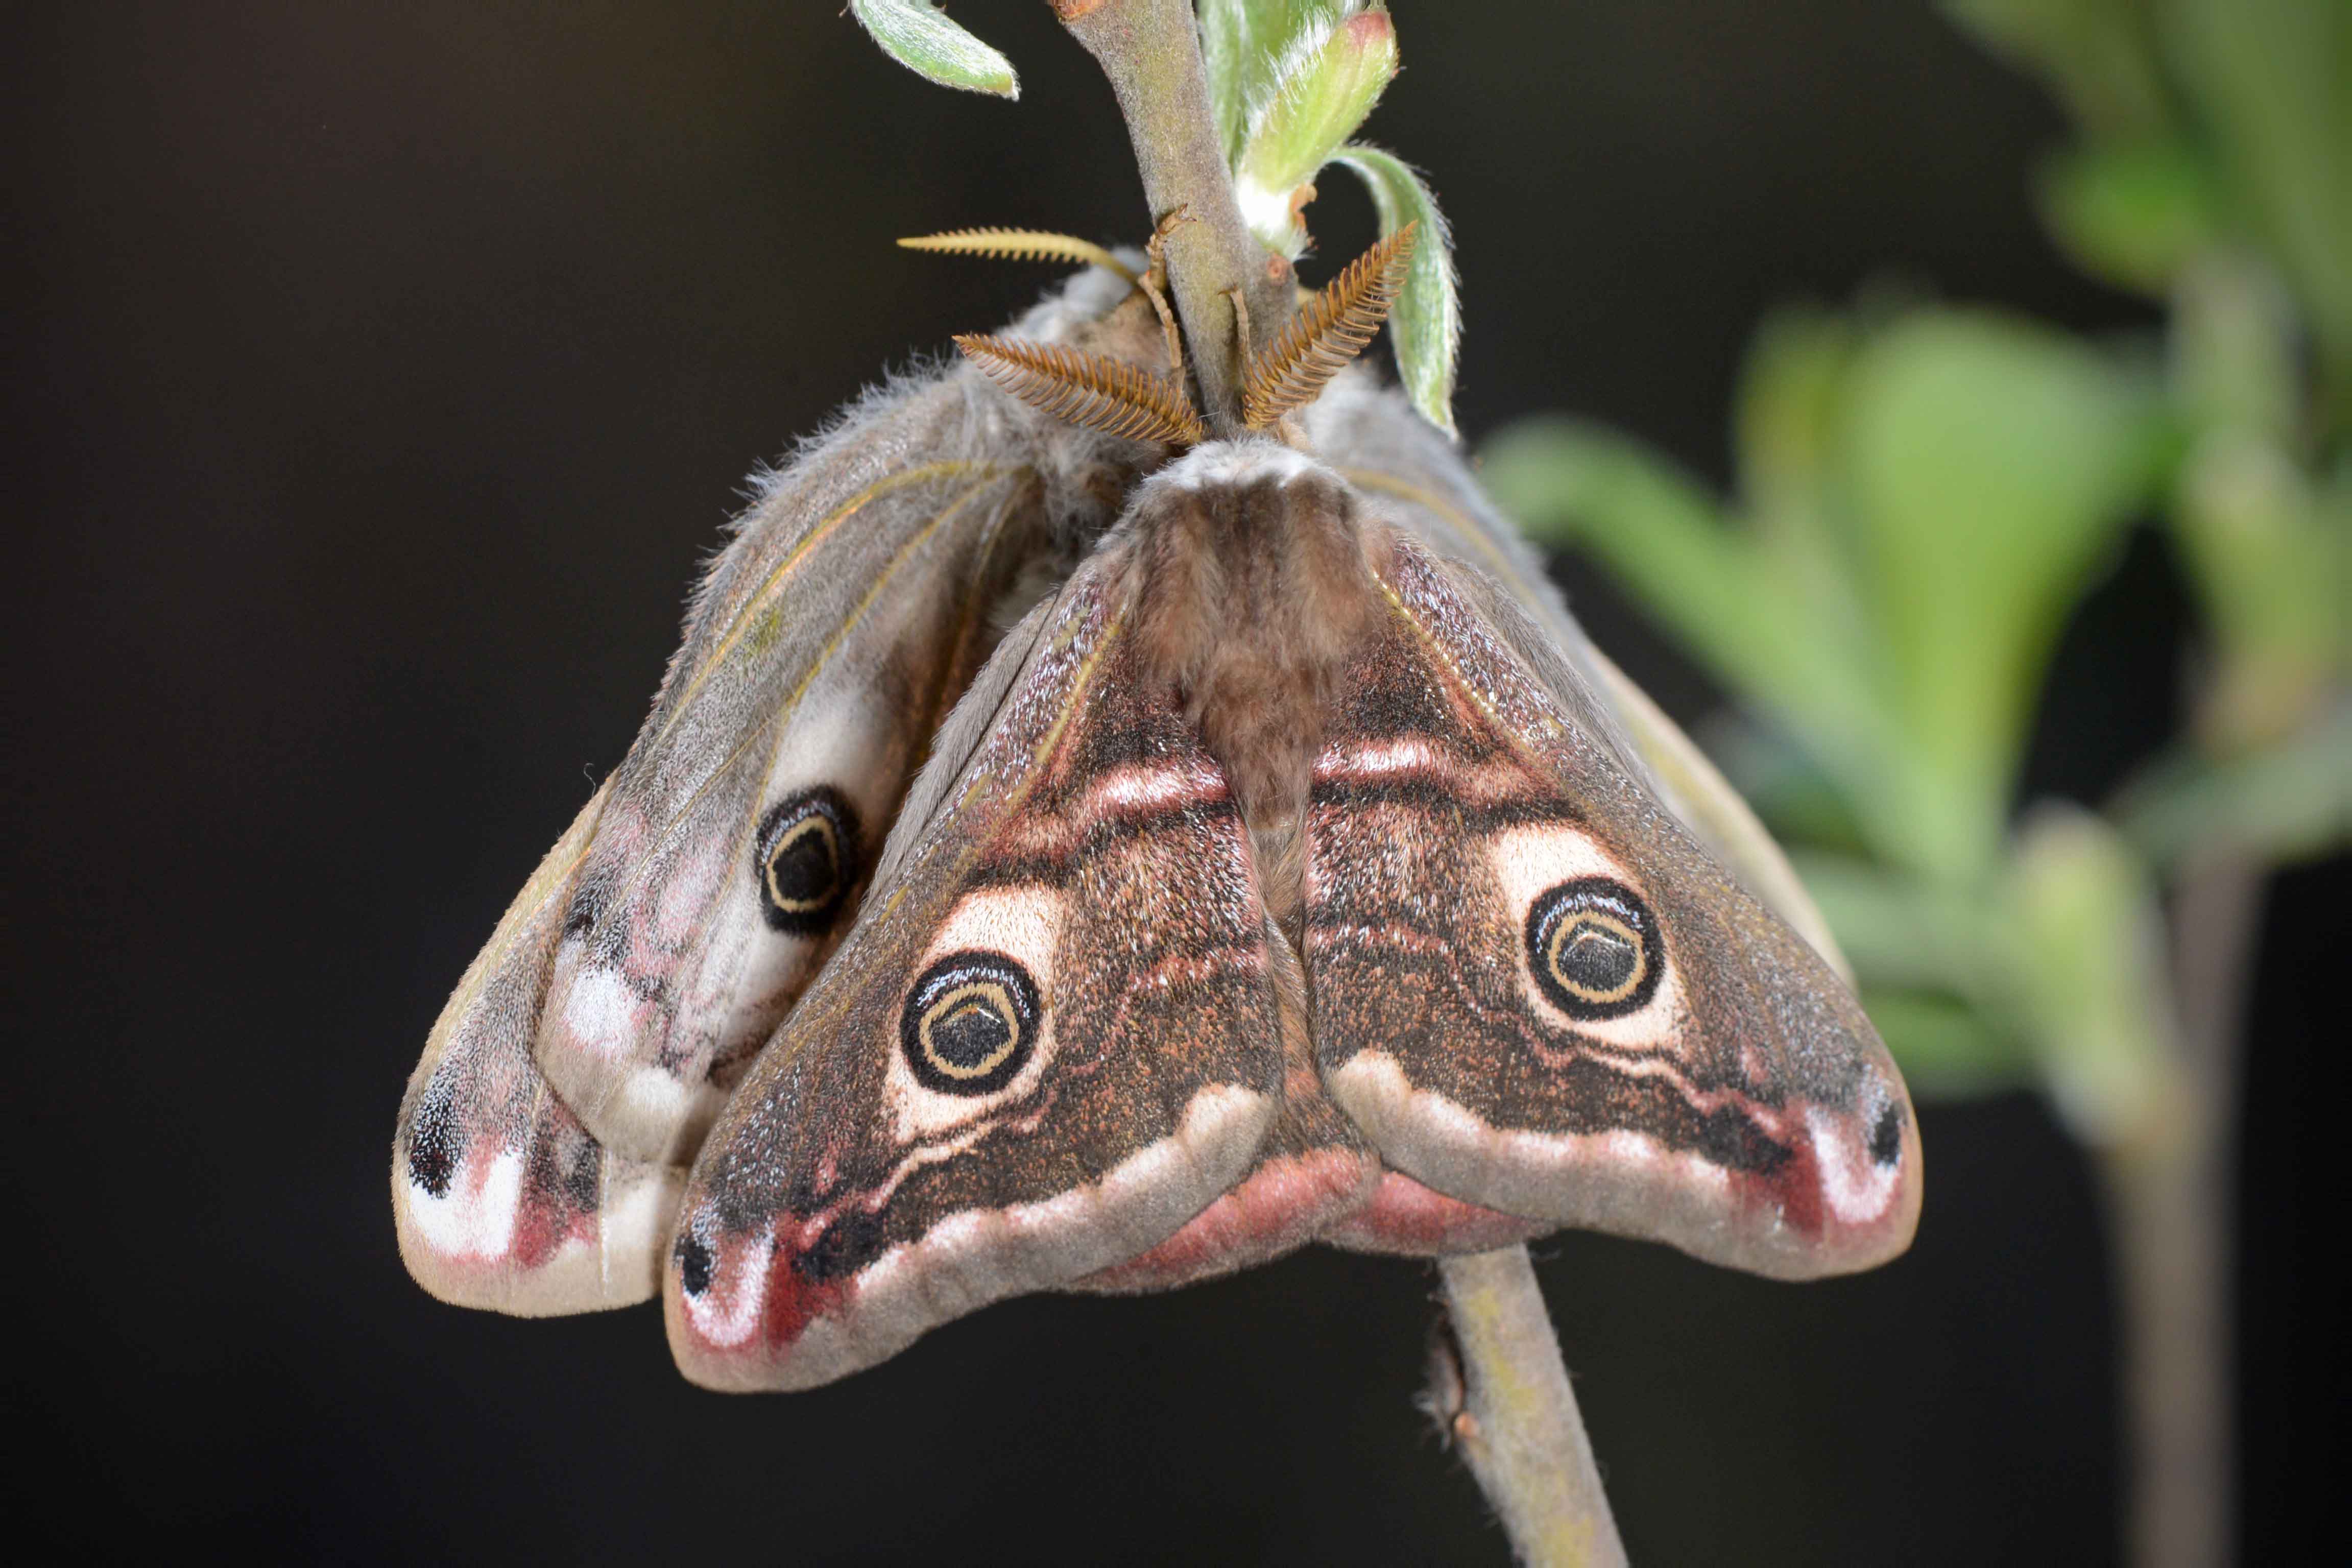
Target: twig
column 2172, row 1196
column 1152, row 56
column 1518, row 1426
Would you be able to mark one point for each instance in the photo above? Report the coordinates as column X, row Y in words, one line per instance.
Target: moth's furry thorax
column 1251, row 584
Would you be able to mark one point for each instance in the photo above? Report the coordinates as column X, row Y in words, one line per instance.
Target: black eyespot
column 970, row 1023
column 1887, row 1138
column 807, row 861
column 693, row 1264
column 433, row 1140
column 1595, row 948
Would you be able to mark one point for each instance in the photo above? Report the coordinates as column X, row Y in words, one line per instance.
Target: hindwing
column 1537, row 994
column 501, row 1198
column 1051, row 1039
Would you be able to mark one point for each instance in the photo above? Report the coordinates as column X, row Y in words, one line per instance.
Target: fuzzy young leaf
column 1323, row 87
column 1243, row 42
column 1426, row 323
column 918, row 36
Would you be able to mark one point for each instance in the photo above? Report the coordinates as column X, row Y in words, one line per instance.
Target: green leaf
column 2098, row 54
column 2272, row 79
column 1762, row 631
column 1988, row 464
column 1244, row 44
column 1925, row 969
column 2233, row 348
column 2274, row 581
column 1426, row 323
column 2132, row 216
column 2085, row 944
column 1782, row 780
column 1901, row 932
column 1788, row 408
column 918, row 36
column 2288, row 801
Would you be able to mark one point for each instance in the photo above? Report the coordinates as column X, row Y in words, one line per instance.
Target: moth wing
column 1314, row 1177
column 825, row 645
column 1536, row 992
column 500, row 1196
column 1048, row 1042
column 1415, row 475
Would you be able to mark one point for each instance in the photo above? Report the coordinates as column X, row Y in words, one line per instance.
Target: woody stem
column 1152, row 53
column 1518, row 1428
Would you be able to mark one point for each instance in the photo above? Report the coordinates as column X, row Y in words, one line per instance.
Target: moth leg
column 1241, row 322
column 1154, row 284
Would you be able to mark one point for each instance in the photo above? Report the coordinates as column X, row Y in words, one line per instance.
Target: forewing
column 1049, row 1041
column 1537, row 994
column 1413, row 474
column 501, row 1198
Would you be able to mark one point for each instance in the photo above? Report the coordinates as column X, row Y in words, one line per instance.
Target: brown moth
column 1293, row 871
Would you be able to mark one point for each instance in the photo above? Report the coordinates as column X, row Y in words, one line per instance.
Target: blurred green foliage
column 1924, row 494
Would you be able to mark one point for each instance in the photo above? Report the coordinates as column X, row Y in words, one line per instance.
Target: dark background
column 380, row 374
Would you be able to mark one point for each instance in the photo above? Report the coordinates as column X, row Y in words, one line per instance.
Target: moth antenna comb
column 1087, row 389
column 1326, row 332
column 1021, row 244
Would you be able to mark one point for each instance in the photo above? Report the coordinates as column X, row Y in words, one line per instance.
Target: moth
column 1071, row 853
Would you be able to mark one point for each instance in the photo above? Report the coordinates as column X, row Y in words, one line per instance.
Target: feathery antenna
column 1087, row 389
column 1326, row 332
column 1022, row 245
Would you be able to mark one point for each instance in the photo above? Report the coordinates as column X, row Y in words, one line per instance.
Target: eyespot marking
column 432, row 1142
column 970, row 1024
column 806, row 861
column 1594, row 949
column 1887, row 1137
column 693, row 1264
